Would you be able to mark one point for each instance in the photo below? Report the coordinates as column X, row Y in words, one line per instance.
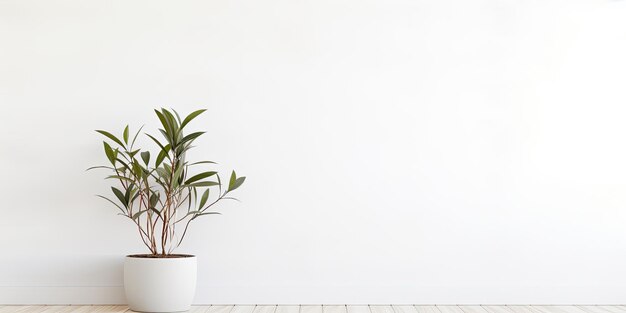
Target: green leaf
column 127, row 195
column 111, row 155
column 137, row 194
column 124, row 164
column 199, row 177
column 145, row 156
column 177, row 174
column 107, row 199
column 119, row 177
column 167, row 136
column 191, row 117
column 239, row 182
column 136, row 135
column 95, row 167
column 171, row 120
column 205, row 213
column 162, row 155
column 233, row 178
column 137, row 169
column 156, row 211
column 190, row 138
column 136, row 215
column 163, row 173
column 204, row 198
column 203, row 162
column 202, row 184
column 125, row 135
column 110, row 136
column 231, row 198
column 177, row 116
column 120, row 196
column 157, row 142
column 235, row 182
column 163, row 120
column 154, row 198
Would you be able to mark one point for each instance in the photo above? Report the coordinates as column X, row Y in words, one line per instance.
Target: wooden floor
column 336, row 309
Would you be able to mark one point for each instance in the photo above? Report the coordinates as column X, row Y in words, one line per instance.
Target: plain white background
column 396, row 151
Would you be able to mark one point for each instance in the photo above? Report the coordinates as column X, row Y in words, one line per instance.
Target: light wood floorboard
column 265, row 309
column 381, row 309
column 594, row 309
column 497, row 309
column 358, row 309
column 332, row 309
column 522, row 309
column 449, row 309
column 311, row 309
column 426, row 309
column 219, row 309
column 404, row 309
column 472, row 309
column 611, row 309
column 288, row 309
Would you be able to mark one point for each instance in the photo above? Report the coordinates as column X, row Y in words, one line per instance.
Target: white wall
column 396, row 151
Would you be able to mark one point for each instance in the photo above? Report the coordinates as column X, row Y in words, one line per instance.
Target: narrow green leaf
column 168, row 137
column 120, row 196
column 176, row 176
column 163, row 173
column 109, row 152
column 199, row 177
column 191, row 117
column 231, row 182
column 204, row 198
column 119, row 177
column 136, row 195
column 177, row 116
column 154, row 198
column 124, row 164
column 205, row 213
column 156, row 211
column 235, row 183
column 136, row 135
column 145, row 156
column 95, row 167
column 162, row 155
column 195, row 197
column 127, row 194
column 117, row 205
column 190, row 138
column 162, row 119
column 171, row 120
column 157, row 141
column 137, row 169
column 136, row 215
column 125, row 135
column 110, row 136
column 202, row 162
column 202, row 184
column 132, row 153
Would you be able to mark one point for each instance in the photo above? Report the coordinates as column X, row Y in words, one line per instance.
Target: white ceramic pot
column 160, row 284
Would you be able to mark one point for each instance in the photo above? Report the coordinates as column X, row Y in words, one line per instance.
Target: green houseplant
column 161, row 193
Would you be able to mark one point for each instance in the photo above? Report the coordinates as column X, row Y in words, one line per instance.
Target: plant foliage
column 157, row 191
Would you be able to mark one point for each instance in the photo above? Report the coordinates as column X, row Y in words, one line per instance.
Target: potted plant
column 162, row 193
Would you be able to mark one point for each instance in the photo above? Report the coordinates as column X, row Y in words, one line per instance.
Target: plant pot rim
column 160, row 256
